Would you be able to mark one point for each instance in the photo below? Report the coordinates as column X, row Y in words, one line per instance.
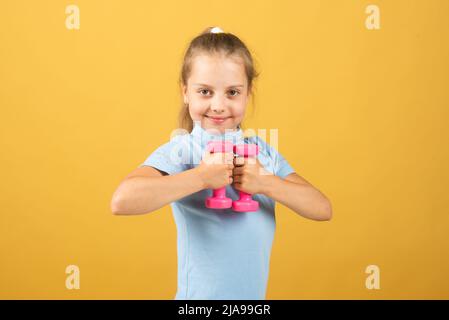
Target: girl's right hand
column 215, row 169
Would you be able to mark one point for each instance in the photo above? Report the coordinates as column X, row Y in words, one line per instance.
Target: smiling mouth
column 217, row 119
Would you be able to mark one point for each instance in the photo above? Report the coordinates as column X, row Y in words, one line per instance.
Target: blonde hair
column 213, row 40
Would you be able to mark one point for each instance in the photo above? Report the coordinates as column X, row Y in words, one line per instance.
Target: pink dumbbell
column 245, row 203
column 219, row 199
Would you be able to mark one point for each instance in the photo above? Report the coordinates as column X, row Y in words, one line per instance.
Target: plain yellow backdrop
column 362, row 114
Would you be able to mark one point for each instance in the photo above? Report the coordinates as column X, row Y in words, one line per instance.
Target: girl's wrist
column 268, row 184
column 198, row 174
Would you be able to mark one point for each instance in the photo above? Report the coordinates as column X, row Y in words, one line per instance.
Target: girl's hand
column 250, row 176
column 215, row 169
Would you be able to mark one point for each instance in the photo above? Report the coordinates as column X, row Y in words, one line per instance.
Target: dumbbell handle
column 219, row 193
column 219, row 199
column 245, row 202
column 244, row 196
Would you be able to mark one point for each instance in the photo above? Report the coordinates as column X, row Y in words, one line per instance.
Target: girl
column 222, row 254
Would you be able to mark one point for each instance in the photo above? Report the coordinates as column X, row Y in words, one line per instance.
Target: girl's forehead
column 201, row 63
column 217, row 66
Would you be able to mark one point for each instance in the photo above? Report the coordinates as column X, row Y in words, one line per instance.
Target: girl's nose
column 217, row 110
column 217, row 105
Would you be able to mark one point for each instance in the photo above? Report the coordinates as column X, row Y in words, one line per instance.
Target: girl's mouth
column 217, row 120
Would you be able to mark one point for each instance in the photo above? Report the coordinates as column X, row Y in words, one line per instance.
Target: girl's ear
column 250, row 91
column 184, row 92
column 183, row 89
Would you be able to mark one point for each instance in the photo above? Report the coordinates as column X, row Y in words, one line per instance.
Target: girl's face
column 217, row 91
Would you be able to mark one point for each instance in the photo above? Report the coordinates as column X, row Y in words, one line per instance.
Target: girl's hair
column 213, row 43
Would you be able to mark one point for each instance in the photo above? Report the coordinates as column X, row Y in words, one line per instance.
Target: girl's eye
column 232, row 92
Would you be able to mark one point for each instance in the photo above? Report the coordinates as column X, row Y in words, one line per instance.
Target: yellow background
column 363, row 115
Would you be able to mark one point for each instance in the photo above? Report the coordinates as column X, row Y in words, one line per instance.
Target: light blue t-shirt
column 222, row 254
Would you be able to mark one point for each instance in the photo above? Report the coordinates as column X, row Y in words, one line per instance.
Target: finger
column 229, row 157
column 208, row 157
column 218, row 158
column 251, row 160
column 239, row 161
column 237, row 179
column 225, row 158
column 238, row 171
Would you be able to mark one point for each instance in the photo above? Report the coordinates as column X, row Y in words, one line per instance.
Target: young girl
column 222, row 254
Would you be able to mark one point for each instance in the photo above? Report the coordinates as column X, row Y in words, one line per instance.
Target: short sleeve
column 281, row 166
column 272, row 159
column 167, row 158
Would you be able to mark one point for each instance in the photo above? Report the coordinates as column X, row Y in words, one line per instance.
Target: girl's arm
column 146, row 189
column 299, row 195
column 293, row 191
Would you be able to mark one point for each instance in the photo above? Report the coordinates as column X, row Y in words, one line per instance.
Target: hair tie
column 216, row 30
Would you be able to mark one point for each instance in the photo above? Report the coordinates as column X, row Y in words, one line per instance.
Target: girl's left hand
column 249, row 175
